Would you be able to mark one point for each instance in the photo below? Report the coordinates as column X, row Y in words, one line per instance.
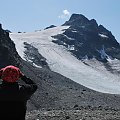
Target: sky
column 31, row 15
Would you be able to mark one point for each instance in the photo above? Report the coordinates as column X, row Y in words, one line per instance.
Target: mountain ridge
column 88, row 38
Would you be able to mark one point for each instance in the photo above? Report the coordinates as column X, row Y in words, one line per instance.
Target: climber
column 13, row 95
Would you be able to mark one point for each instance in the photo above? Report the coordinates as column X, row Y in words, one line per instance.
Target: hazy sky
column 31, row 15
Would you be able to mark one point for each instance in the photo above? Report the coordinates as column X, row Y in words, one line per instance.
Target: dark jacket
column 13, row 99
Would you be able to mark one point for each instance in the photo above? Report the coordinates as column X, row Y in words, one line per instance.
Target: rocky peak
column 102, row 29
column 94, row 23
column 87, row 38
column 51, row 26
column 77, row 19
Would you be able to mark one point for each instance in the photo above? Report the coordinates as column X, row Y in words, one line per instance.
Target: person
column 13, row 95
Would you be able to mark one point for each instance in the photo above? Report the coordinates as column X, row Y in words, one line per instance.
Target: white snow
column 85, row 57
column 104, row 54
column 74, row 31
column 68, row 37
column 62, row 61
column 102, row 35
column 19, row 45
column 71, row 47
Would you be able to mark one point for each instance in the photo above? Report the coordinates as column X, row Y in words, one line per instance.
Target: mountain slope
column 54, row 90
column 60, row 60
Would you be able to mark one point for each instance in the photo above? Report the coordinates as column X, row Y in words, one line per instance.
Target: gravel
column 84, row 114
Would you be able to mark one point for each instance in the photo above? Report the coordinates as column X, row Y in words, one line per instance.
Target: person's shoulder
column 0, row 82
column 1, row 85
column 27, row 86
column 22, row 86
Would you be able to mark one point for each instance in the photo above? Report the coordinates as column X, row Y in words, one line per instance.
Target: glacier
column 60, row 60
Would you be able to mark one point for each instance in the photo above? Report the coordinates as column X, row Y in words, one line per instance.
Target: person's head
column 10, row 74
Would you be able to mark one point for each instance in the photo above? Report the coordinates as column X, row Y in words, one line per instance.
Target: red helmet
column 10, row 73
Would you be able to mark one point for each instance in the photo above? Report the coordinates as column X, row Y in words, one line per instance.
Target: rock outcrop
column 8, row 53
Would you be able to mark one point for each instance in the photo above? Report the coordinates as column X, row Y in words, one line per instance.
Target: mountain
column 61, row 56
column 86, row 39
column 64, row 82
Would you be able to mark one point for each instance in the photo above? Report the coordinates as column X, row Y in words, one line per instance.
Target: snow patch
column 103, row 54
column 74, row 31
column 103, row 36
column 85, row 57
column 68, row 37
column 19, row 43
column 71, row 47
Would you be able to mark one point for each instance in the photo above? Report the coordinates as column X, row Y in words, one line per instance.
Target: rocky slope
column 83, row 114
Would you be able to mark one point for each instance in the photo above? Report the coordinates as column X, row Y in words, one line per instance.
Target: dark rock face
column 8, row 54
column 85, row 38
column 77, row 19
column 51, row 26
column 34, row 57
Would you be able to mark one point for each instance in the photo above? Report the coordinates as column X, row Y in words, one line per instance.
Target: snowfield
column 60, row 60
